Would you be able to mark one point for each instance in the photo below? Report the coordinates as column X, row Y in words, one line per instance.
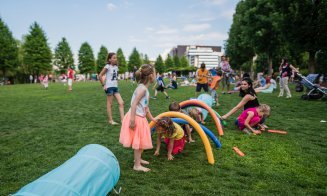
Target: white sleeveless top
column 144, row 102
column 111, row 76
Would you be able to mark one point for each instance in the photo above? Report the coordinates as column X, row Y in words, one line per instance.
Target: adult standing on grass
column 249, row 99
column 226, row 72
column 285, row 70
column 110, row 86
column 202, row 75
column 135, row 131
column 70, row 75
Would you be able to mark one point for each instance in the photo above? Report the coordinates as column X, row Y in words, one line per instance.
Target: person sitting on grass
column 161, row 87
column 251, row 117
column 174, row 106
column 173, row 135
column 267, row 88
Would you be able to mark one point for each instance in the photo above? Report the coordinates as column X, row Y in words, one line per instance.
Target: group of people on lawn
column 135, row 132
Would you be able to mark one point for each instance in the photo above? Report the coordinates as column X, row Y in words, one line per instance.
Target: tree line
column 272, row 29
column 33, row 56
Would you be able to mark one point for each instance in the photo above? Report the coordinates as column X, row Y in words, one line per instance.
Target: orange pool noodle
column 277, row 131
column 238, row 151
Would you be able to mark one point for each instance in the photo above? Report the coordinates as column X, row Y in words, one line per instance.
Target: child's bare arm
column 103, row 71
column 170, row 149
column 157, row 152
column 247, row 121
column 149, row 115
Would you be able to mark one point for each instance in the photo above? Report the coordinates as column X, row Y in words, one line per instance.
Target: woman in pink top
column 251, row 117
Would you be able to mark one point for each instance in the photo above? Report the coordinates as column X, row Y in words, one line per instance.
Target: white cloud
column 165, row 53
column 111, row 6
column 206, row 19
column 228, row 14
column 128, row 3
column 217, row 2
column 149, row 29
column 211, row 36
column 196, row 27
column 166, row 30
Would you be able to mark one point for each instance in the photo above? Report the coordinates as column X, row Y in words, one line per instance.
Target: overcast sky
column 152, row 26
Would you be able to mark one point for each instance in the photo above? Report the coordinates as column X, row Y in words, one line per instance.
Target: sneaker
column 167, row 97
column 153, row 97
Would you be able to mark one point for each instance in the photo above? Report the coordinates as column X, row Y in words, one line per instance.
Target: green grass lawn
column 41, row 129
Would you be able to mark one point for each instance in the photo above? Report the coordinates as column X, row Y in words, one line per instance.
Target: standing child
column 70, row 75
column 251, row 117
column 174, row 106
column 173, row 135
column 135, row 131
column 161, row 87
column 110, row 86
column 214, row 86
column 46, row 81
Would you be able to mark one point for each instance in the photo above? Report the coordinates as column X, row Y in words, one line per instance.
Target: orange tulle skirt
column 137, row 138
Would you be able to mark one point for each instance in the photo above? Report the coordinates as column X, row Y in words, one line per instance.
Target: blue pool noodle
column 205, row 129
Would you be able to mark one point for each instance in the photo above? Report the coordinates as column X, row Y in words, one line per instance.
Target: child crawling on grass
column 251, row 118
column 173, row 135
column 174, row 106
column 196, row 114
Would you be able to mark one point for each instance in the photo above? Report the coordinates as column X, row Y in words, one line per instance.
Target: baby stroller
column 314, row 90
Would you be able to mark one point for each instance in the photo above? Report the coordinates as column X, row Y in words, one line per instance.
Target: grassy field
column 40, row 129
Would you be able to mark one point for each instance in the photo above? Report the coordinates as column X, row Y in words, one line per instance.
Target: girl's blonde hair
column 193, row 113
column 167, row 124
column 265, row 109
column 143, row 74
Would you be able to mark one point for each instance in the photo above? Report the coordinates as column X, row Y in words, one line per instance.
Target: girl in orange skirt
column 135, row 131
column 173, row 135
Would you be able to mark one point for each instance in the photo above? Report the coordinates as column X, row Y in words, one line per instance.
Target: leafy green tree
column 238, row 47
column 37, row 53
column 102, row 58
column 63, row 56
column 159, row 65
column 134, row 60
column 122, row 61
column 176, row 61
column 169, row 63
column 8, row 50
column 86, row 59
column 146, row 59
column 303, row 24
column 184, row 62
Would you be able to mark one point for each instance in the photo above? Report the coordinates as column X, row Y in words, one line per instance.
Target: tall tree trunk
column 270, row 69
column 4, row 75
column 252, row 66
column 312, row 62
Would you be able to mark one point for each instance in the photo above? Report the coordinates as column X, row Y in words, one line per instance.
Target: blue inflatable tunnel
column 207, row 99
column 94, row 170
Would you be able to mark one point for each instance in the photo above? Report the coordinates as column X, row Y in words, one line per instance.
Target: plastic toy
column 277, row 131
column 238, row 151
column 195, row 125
column 198, row 103
column 94, row 170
